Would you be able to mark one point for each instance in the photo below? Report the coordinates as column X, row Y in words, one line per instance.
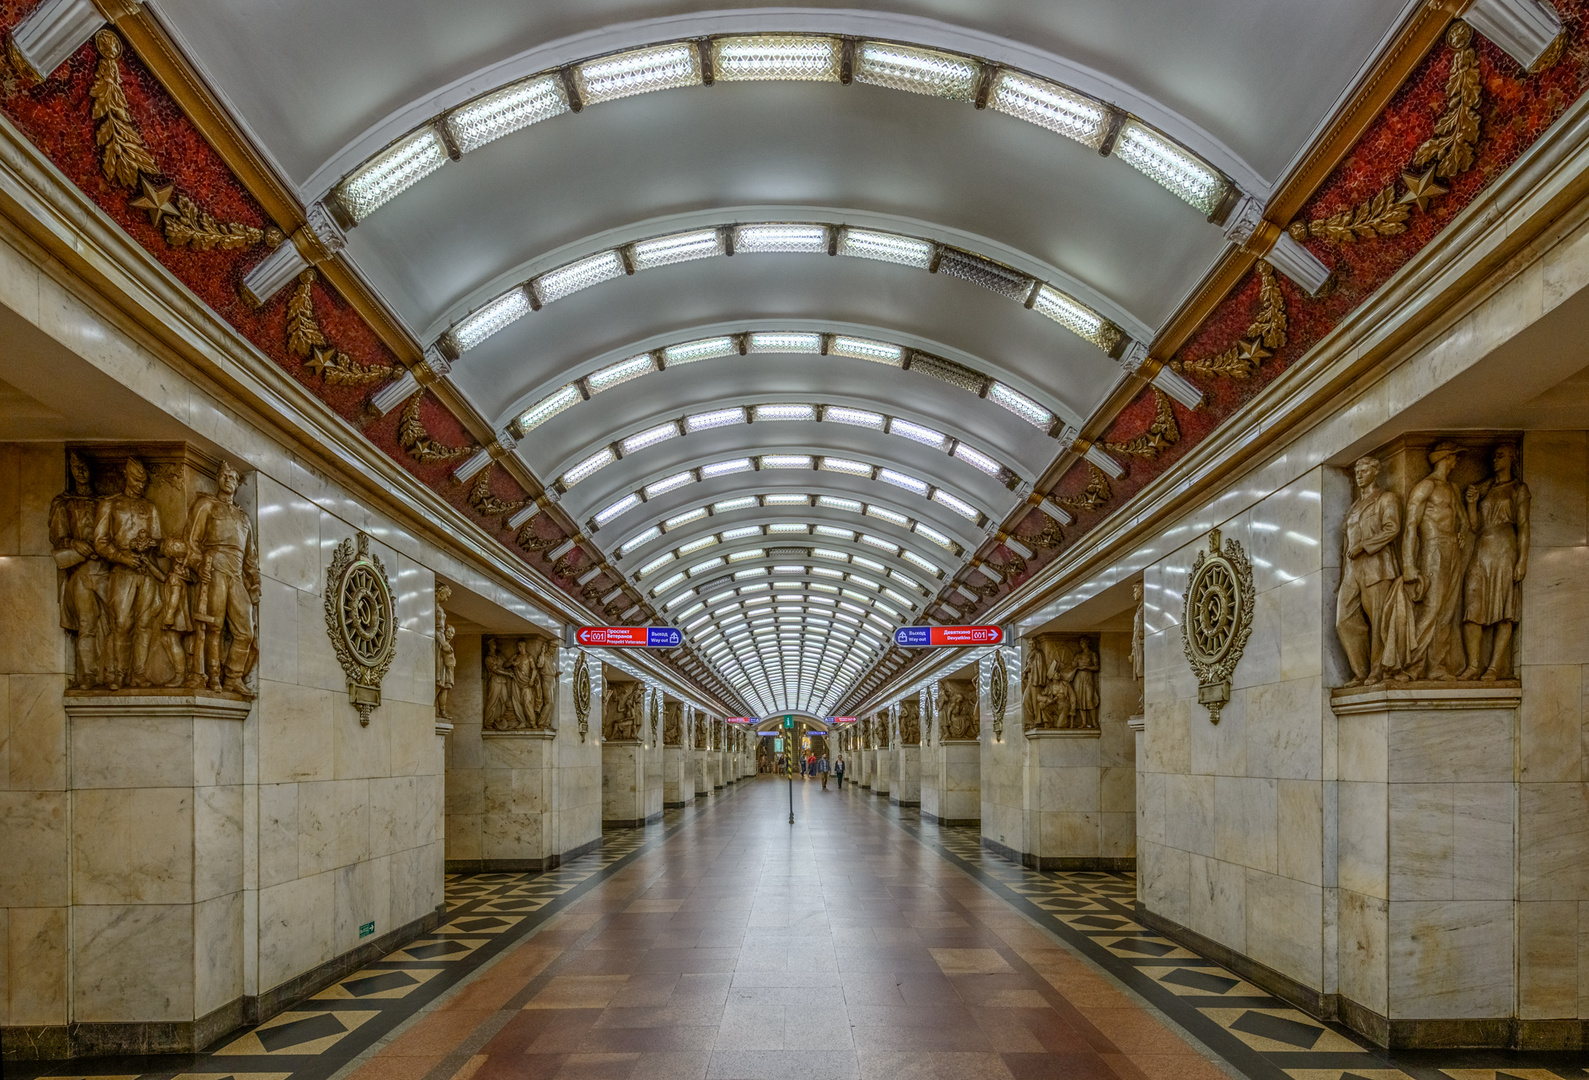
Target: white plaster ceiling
column 321, row 87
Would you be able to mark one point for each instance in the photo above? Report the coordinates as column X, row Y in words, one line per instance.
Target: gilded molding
column 1265, row 334
column 1161, row 434
column 416, row 441
column 486, row 503
column 1094, row 495
column 307, row 342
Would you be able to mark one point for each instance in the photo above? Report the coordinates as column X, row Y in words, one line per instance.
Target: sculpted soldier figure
column 127, row 535
column 83, row 594
column 1498, row 510
column 1368, row 571
column 221, row 542
column 1433, row 549
column 446, row 656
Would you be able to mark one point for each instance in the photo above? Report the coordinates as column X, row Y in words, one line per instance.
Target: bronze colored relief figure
column 1498, row 510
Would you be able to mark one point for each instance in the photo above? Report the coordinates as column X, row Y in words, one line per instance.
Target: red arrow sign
column 611, row 636
column 967, row 635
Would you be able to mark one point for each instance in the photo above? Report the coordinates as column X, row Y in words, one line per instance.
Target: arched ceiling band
column 783, row 238
column 653, row 431
column 1049, row 105
column 844, row 465
column 785, row 342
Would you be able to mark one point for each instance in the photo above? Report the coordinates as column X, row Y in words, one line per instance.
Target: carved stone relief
column 700, row 731
column 881, row 730
column 656, row 715
column 1059, row 683
column 999, row 693
column 361, row 620
column 910, row 722
column 622, row 710
column 1139, row 654
column 520, row 679
column 673, row 723
column 159, row 577
column 1431, row 567
column 581, row 684
column 959, row 718
column 446, row 656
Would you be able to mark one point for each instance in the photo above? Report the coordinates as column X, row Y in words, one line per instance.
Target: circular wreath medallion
column 361, row 620
column 1217, row 618
column 999, row 693
column 582, row 695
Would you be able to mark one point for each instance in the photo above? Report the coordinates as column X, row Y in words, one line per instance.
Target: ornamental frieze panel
column 1059, row 682
column 519, row 676
column 959, row 711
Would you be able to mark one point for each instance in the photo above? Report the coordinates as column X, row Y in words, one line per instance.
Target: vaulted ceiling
column 814, row 423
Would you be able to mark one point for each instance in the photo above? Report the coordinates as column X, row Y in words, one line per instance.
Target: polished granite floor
column 725, row 943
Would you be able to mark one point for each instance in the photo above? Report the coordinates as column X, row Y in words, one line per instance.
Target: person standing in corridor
column 822, row 770
column 838, row 771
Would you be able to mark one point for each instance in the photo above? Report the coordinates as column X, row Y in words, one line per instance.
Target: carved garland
column 1163, row 433
column 486, row 503
column 1448, row 153
column 1095, row 494
column 1217, row 619
column 1265, row 334
column 126, row 162
column 307, row 342
column 416, row 441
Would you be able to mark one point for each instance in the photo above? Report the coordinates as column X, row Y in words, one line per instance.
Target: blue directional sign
column 664, row 637
column 913, row 636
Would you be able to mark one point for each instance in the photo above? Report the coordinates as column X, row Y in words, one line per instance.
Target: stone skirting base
column 510, row 866
column 1058, row 862
column 702, row 794
column 674, row 805
column 1508, row 1033
column 950, row 823
column 903, row 802
column 55, row 1042
column 630, row 823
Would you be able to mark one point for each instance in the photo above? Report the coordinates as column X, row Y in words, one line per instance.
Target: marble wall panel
column 132, row 963
column 36, row 965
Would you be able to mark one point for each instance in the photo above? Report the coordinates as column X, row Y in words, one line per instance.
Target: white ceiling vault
column 940, row 395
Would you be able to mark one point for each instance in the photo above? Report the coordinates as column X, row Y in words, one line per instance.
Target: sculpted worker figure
column 72, row 517
column 1433, row 550
column 1368, row 572
column 126, row 535
column 221, row 544
column 1498, row 510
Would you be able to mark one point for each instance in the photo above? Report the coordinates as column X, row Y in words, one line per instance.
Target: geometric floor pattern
column 1260, row 1035
column 968, row 935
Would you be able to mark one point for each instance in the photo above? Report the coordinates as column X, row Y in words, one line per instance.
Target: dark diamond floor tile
column 298, row 1032
column 1278, row 1028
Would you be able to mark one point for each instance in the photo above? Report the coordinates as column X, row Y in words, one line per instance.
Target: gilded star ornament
column 322, row 359
column 1421, row 189
column 1251, row 351
column 156, row 201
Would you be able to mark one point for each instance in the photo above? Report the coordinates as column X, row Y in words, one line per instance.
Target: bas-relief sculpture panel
column 910, row 722
column 1059, row 682
column 1432, row 567
column 959, row 717
column 673, row 723
column 159, row 579
column 622, row 711
column 520, row 676
column 446, row 656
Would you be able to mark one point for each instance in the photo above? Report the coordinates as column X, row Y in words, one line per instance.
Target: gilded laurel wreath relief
column 159, row 572
column 1432, row 569
column 361, row 620
column 1217, row 618
column 520, row 680
column 1059, row 683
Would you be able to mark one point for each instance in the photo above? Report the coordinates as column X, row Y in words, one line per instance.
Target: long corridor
column 727, row 944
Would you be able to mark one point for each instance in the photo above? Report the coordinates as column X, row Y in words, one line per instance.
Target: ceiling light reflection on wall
column 638, row 71
column 1171, row 167
column 678, row 248
column 918, row 71
column 548, row 407
column 392, row 172
column 510, row 109
column 787, row 57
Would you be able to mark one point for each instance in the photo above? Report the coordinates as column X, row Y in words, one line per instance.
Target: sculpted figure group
column 520, row 684
column 1433, row 592
column 957, row 710
column 910, row 722
column 1059, row 684
column 622, row 711
column 129, row 588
